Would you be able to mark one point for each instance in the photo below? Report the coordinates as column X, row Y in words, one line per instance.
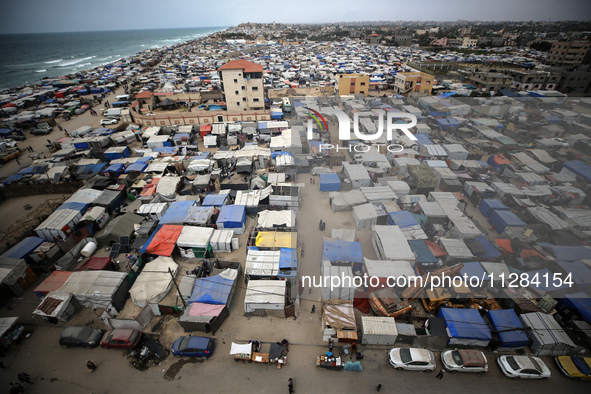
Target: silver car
column 412, row 359
column 464, row 361
column 523, row 367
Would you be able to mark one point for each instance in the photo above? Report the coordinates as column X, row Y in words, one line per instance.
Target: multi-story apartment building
column 242, row 83
column 414, row 83
column 567, row 53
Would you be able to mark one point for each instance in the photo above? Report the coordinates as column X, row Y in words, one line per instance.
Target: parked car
column 189, row 346
column 574, row 367
column 80, row 336
column 121, row 338
column 412, row 359
column 464, row 361
column 523, row 367
column 562, row 142
column 107, row 121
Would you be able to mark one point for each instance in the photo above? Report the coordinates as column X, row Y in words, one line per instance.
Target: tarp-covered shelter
column 163, row 240
column 216, row 290
column 483, row 249
column 547, row 336
column 154, row 282
column 232, row 217
column 339, row 250
column 390, row 243
column 270, row 219
column 52, row 283
column 329, row 182
column 266, row 295
column 58, row 307
column 59, row 224
column 203, row 317
column 465, row 327
column 579, row 302
column 507, row 328
column 500, row 220
column 193, row 241
column 198, row 216
column 276, row 239
column 176, row 212
column 23, row 249
column 488, row 205
column 97, row 289
column 365, row 216
column 120, row 226
column 215, row 200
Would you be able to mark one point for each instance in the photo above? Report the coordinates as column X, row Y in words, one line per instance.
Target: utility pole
column 177, row 287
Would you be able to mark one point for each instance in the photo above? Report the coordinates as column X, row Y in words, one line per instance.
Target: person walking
column 330, row 345
column 310, row 181
column 90, row 365
column 313, row 309
column 440, row 374
column 379, row 387
column 290, row 385
column 24, row 377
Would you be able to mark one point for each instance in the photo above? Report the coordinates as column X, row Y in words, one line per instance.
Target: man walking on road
column 290, row 385
column 440, row 374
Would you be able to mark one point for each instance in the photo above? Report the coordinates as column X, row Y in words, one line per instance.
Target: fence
column 192, row 118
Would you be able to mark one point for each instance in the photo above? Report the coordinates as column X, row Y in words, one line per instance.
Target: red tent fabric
column 435, row 249
column 204, row 130
column 164, row 241
column 52, row 283
column 505, row 244
column 361, row 301
column 95, row 263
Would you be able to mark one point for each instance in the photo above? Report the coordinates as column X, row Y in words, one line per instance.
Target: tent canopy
column 231, row 216
column 329, row 182
column 335, row 250
column 154, row 282
column 465, row 323
column 120, row 226
column 508, row 327
column 164, row 240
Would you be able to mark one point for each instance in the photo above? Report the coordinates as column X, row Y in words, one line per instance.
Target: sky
column 40, row 16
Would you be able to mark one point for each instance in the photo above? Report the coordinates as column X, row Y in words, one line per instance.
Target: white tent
column 270, row 219
column 94, row 288
column 390, row 244
column 167, row 186
column 53, row 226
column 154, row 282
column 262, row 263
column 345, row 290
column 221, row 240
column 268, row 295
column 365, row 216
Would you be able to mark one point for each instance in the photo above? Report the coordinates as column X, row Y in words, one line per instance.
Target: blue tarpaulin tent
column 536, row 281
column 508, row 328
column 232, row 216
column 423, row 139
column 117, row 153
column 212, row 290
column 402, row 219
column 501, row 219
column 24, row 248
column 288, row 259
column 176, row 212
column 114, row 169
column 215, row 200
column 580, row 273
column 579, row 168
column 330, row 183
column 473, row 269
column 568, row 253
column 422, row 251
column 581, row 302
column 342, row 250
column 483, row 249
column 137, row 166
column 488, row 205
column 465, row 327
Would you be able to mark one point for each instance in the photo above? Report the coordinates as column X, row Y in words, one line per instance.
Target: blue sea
column 26, row 58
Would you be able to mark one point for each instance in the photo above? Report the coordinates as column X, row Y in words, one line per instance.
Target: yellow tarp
column 272, row 239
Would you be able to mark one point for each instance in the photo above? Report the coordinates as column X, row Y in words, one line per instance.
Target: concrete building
column 491, row 41
column 242, row 83
column 534, row 79
column 566, row 53
column 373, row 39
column 490, row 81
column 414, row 83
column 439, row 42
column 468, row 42
column 575, row 81
column 352, row 84
column 402, row 39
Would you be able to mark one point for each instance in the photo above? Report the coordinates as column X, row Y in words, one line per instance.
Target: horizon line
column 115, row 30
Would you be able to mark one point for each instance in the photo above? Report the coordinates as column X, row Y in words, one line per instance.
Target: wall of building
column 200, row 118
column 239, row 93
column 353, row 84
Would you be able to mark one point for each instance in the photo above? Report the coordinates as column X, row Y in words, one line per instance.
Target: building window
column 235, row 81
column 255, row 88
column 362, row 92
column 244, row 88
column 428, row 82
column 236, row 92
column 362, row 84
column 244, row 99
column 256, row 100
column 238, row 103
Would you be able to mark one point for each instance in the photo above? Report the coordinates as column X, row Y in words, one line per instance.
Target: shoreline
column 73, row 75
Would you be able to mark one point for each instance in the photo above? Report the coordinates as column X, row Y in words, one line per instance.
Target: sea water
column 26, row 58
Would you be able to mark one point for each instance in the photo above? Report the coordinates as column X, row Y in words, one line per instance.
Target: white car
column 109, row 121
column 523, row 367
column 412, row 359
column 464, row 361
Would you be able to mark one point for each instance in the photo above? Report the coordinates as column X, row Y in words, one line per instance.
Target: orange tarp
column 164, row 241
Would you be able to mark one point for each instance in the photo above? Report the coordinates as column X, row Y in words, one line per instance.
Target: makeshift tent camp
column 270, row 219
column 345, row 290
column 276, row 239
column 163, row 240
column 487, row 206
column 198, row 216
column 216, row 290
column 221, row 241
column 176, row 212
column 52, row 283
column 402, row 219
column 465, row 327
column 507, row 328
column 24, row 249
column 203, row 317
column 579, row 302
column 500, row 220
column 57, row 306
column 548, row 338
column 262, row 264
column 483, row 249
column 59, row 224
column 118, row 227
column 423, row 253
column 194, row 241
column 343, row 251
column 154, row 282
column 378, row 330
column 365, row 216
column 329, row 182
column 391, row 244
column 95, row 263
column 232, row 217
column 266, row 295
column 215, row 200
column 97, row 289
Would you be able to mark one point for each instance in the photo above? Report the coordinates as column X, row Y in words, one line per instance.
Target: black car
column 80, row 336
